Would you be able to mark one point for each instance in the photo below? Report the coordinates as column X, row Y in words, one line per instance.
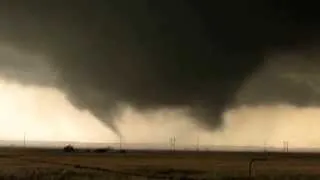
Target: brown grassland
column 22, row 163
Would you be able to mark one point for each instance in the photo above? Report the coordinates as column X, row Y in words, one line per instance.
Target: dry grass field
column 56, row 164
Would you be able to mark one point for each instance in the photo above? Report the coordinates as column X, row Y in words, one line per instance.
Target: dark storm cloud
column 26, row 68
column 156, row 54
column 289, row 78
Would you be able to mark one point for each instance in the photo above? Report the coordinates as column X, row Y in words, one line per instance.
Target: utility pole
column 198, row 143
column 286, row 146
column 172, row 143
column 24, row 139
column 120, row 142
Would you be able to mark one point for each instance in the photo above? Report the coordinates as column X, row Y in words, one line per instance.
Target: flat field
column 56, row 164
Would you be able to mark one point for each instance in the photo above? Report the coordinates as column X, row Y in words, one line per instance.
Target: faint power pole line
column 172, row 143
column 286, row 146
column 120, row 142
column 198, row 143
column 24, row 139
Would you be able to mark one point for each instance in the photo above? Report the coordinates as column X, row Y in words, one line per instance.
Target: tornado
column 154, row 55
